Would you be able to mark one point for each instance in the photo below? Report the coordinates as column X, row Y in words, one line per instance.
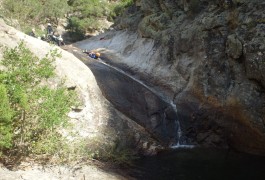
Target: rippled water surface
column 201, row 164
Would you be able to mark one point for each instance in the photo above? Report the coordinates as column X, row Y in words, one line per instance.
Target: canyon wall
column 207, row 56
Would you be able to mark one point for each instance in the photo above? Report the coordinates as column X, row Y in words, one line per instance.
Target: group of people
column 50, row 36
column 54, row 37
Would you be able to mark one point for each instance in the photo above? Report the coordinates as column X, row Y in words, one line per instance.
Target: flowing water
column 186, row 162
column 165, row 99
column 159, row 94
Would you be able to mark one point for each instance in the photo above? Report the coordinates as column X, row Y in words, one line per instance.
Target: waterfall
column 165, row 99
column 179, row 132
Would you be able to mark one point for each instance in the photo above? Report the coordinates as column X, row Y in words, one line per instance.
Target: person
column 32, row 33
column 49, row 29
column 60, row 40
column 50, row 33
column 94, row 55
column 97, row 55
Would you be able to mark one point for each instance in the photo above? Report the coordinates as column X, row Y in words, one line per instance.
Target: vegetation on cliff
column 82, row 15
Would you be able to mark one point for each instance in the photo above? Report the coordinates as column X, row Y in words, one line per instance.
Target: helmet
column 49, row 24
column 33, row 29
column 97, row 54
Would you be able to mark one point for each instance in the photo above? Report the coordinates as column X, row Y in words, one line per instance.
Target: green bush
column 36, row 11
column 119, row 8
column 87, row 14
column 31, row 112
column 31, row 13
column 5, row 119
column 82, row 15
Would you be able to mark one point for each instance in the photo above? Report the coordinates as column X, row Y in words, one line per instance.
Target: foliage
column 116, row 9
column 115, row 151
column 31, row 112
column 87, row 14
column 31, row 13
column 55, row 9
column 36, row 11
column 82, row 15
column 23, row 10
column 5, row 119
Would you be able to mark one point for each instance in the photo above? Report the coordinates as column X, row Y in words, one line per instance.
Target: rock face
column 96, row 119
column 138, row 102
column 207, row 56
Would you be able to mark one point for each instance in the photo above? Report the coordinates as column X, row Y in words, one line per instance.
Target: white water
column 140, row 82
column 179, row 132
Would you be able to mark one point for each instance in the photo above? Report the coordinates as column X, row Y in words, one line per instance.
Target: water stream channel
column 159, row 116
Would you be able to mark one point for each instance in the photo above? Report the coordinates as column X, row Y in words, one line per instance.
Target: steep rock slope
column 96, row 120
column 207, row 56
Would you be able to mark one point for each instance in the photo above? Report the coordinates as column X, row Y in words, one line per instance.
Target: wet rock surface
column 209, row 61
column 207, row 57
column 135, row 100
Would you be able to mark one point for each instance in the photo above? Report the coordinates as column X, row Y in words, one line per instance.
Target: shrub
column 87, row 14
column 83, row 15
column 31, row 112
column 116, row 150
column 116, row 9
column 36, row 11
column 5, row 119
